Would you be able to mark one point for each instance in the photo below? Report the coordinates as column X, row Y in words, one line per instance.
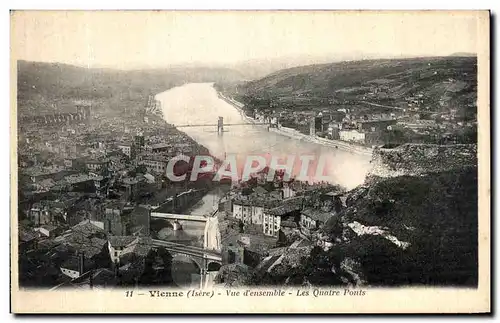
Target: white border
column 179, row 5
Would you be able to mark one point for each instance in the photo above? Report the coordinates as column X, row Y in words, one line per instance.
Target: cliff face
column 415, row 219
column 416, row 230
column 419, row 159
column 413, row 222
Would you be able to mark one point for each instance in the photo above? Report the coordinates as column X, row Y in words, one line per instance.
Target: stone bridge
column 208, row 261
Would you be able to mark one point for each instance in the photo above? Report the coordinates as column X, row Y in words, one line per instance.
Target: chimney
column 81, row 263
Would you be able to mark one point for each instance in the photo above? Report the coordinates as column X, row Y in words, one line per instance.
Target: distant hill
column 463, row 54
column 258, row 68
column 439, row 82
column 43, row 85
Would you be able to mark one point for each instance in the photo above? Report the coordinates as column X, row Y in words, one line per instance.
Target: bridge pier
column 220, row 126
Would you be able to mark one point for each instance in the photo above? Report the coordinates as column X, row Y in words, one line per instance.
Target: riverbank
column 295, row 134
column 238, row 106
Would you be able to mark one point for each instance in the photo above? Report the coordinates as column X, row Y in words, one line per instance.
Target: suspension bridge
column 221, row 125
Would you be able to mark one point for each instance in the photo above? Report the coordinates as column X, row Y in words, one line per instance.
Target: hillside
column 45, row 87
column 437, row 83
column 399, row 231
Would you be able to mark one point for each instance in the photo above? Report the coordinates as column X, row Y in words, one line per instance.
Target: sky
column 129, row 39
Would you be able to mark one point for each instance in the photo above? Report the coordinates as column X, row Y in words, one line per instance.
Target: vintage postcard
column 250, row 162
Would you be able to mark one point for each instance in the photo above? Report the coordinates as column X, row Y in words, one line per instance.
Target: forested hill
column 46, row 86
column 439, row 81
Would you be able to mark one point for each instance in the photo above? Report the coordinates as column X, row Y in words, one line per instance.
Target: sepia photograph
column 295, row 158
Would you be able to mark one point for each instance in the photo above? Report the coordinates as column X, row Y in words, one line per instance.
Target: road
column 382, row 106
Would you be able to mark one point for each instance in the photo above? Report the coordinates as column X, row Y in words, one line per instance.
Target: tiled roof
column 48, row 227
column 317, row 215
column 262, row 201
column 26, row 236
column 121, row 241
column 287, row 206
column 260, row 190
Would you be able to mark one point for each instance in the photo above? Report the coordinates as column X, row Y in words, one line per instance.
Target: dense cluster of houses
column 86, row 194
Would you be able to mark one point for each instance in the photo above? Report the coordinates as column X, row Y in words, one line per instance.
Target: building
column 115, row 221
column 140, row 220
column 48, row 230
column 154, row 163
column 39, row 214
column 85, row 109
column 130, row 186
column 233, row 254
column 84, row 183
column 100, row 278
column 27, row 239
column 352, row 135
column 121, row 245
column 273, row 218
column 251, row 210
column 96, row 165
column 271, row 223
column 139, row 140
column 288, row 191
column 126, row 149
column 74, row 266
column 37, row 174
column 242, row 210
column 160, row 147
column 312, row 219
column 312, row 126
column 375, row 125
column 333, row 130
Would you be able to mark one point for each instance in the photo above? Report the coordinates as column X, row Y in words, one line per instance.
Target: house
column 352, row 135
column 333, row 130
column 27, row 239
column 96, row 165
column 84, row 238
column 249, row 248
column 233, row 254
column 272, row 218
column 132, row 262
column 39, row 213
column 74, row 266
column 242, row 210
column 154, row 163
column 84, row 182
column 114, row 218
column 271, row 223
column 126, row 149
column 312, row 219
column 259, row 190
column 130, row 186
column 93, row 279
column 288, row 191
column 121, row 245
column 287, row 226
column 250, row 209
column 375, row 125
column 140, row 220
column 160, row 147
column 37, row 174
column 48, row 230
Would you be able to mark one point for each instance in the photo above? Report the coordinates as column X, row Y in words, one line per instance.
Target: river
column 198, row 103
